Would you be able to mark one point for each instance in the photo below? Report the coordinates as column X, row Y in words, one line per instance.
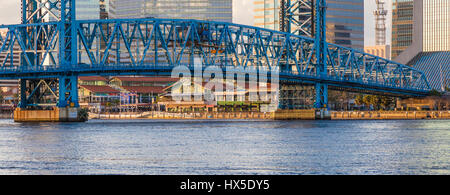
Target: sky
column 242, row 14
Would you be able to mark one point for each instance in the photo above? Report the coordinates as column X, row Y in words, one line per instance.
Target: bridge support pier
column 42, row 100
column 296, row 96
column 68, row 92
column 321, row 96
column 23, row 93
column 321, row 104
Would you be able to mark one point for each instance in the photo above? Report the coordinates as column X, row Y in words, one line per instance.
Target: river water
column 226, row 147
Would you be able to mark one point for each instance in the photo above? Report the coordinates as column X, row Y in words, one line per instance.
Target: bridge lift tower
column 63, row 88
column 303, row 17
column 308, row 18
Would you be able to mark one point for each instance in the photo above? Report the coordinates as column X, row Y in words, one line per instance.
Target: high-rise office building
column 88, row 9
column 402, row 25
column 429, row 49
column 85, row 10
column 345, row 23
column 424, row 29
column 345, row 20
column 267, row 14
column 436, row 25
column 213, row 10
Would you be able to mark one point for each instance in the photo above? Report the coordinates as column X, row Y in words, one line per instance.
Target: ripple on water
column 225, row 147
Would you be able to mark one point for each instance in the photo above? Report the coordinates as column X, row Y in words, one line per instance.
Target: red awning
column 100, row 89
column 92, row 78
column 147, row 79
column 149, row 89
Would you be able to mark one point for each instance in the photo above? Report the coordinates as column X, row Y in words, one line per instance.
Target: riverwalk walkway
column 282, row 115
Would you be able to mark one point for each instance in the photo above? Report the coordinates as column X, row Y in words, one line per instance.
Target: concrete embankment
column 391, row 115
column 55, row 115
column 283, row 115
column 279, row 115
column 181, row 116
column 6, row 115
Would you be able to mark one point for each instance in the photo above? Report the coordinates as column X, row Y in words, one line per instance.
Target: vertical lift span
column 63, row 89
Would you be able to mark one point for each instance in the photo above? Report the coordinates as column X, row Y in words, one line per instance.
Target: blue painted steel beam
column 71, row 47
column 243, row 47
column 321, row 53
column 284, row 77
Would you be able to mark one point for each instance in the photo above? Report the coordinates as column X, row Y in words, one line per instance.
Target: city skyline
column 345, row 21
column 242, row 14
column 211, row 10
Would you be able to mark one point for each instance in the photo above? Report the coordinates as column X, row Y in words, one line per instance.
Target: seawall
column 284, row 115
column 390, row 115
column 54, row 115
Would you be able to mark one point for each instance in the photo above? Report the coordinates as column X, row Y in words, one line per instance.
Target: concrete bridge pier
column 49, row 100
column 67, row 114
column 323, row 114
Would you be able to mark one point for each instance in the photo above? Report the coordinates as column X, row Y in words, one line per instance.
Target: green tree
column 367, row 99
column 116, row 102
column 387, row 102
column 83, row 114
column 435, row 92
column 359, row 100
column 375, row 101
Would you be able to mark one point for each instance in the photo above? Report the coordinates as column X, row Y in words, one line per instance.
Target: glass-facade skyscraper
column 424, row 25
column 87, row 9
column 267, row 14
column 421, row 24
column 402, row 26
column 345, row 20
column 345, row 23
column 436, row 25
column 213, row 10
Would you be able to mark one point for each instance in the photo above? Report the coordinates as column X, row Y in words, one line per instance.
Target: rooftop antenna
column 380, row 20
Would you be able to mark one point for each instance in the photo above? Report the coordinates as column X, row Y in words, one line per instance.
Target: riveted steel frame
column 67, row 48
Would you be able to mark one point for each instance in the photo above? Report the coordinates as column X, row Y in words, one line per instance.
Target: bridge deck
column 156, row 46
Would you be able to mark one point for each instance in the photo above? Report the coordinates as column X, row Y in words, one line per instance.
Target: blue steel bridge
column 53, row 54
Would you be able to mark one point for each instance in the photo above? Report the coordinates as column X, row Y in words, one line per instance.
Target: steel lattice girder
column 297, row 17
column 38, row 11
column 148, row 45
column 37, row 92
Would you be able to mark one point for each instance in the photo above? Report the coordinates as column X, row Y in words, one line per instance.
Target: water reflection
column 224, row 147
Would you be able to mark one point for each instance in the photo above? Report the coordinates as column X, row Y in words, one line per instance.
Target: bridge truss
column 66, row 48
